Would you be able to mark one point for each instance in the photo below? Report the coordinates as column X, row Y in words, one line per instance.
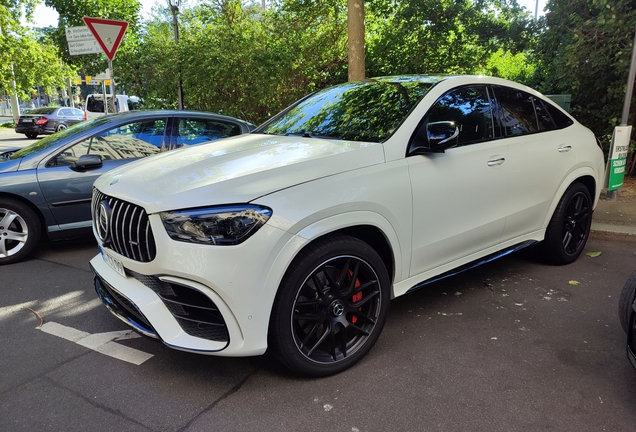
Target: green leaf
column 593, row 254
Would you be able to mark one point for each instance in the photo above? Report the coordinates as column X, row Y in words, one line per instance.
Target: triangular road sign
column 108, row 33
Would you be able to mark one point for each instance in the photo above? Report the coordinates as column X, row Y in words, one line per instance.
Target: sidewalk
column 617, row 219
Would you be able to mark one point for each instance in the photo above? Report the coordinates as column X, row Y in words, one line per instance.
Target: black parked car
column 46, row 188
column 48, row 120
column 627, row 316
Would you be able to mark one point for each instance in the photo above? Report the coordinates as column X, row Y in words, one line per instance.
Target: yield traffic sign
column 108, row 33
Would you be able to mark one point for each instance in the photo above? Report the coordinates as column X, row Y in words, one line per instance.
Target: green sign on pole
column 618, row 158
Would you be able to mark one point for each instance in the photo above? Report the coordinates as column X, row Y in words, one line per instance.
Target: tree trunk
column 355, row 19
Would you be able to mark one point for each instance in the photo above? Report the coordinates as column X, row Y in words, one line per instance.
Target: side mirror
column 442, row 135
column 86, row 162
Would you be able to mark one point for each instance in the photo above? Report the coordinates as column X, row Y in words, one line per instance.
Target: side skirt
column 473, row 264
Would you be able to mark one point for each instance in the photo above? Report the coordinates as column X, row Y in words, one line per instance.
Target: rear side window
column 543, row 116
column 560, row 120
column 196, row 131
column 516, row 114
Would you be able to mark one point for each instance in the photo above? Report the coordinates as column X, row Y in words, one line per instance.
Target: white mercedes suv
column 295, row 237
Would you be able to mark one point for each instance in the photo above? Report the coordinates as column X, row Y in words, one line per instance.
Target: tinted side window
column 515, row 112
column 561, row 120
column 543, row 116
column 469, row 109
column 195, row 131
column 65, row 112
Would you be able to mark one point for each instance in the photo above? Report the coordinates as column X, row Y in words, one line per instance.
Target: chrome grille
column 129, row 231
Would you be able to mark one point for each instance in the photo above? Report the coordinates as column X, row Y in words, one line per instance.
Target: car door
column 459, row 196
column 68, row 190
column 540, row 157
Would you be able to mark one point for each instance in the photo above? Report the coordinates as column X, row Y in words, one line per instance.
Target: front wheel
column 19, row 231
column 331, row 307
column 569, row 227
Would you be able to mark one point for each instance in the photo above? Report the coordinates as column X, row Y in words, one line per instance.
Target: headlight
column 226, row 225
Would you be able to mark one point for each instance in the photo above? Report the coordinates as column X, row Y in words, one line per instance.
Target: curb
column 612, row 232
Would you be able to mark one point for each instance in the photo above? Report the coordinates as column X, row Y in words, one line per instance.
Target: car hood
column 233, row 170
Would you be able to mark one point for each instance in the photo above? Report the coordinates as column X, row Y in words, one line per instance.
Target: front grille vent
column 127, row 230
column 195, row 312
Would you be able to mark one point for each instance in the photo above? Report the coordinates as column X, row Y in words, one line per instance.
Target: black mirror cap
column 442, row 135
column 86, row 162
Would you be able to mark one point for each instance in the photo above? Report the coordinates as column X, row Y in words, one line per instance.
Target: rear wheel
column 569, row 227
column 31, row 135
column 331, row 307
column 628, row 295
column 60, row 127
column 19, row 231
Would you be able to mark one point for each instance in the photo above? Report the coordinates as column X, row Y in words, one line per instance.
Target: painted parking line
column 103, row 343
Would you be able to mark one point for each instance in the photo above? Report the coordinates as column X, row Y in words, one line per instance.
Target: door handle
column 565, row 148
column 498, row 161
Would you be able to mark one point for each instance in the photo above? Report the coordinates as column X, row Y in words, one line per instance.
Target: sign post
column 618, row 158
column 108, row 34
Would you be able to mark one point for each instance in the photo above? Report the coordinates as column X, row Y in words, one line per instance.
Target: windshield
column 358, row 111
column 52, row 140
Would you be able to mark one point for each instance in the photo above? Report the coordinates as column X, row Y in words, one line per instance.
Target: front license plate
column 113, row 262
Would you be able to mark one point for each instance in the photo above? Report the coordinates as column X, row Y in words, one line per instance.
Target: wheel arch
column 584, row 176
column 36, row 210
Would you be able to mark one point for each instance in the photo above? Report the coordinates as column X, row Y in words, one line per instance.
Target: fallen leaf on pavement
column 593, row 254
column 573, row 282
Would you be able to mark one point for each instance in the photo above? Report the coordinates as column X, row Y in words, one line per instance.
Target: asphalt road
column 510, row 346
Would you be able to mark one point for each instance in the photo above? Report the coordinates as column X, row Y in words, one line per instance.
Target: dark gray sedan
column 45, row 188
column 48, row 120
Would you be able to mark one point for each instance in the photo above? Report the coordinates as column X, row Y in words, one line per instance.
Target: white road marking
column 102, row 343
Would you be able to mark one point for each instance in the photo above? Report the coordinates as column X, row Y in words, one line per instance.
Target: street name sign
column 108, row 33
column 81, row 41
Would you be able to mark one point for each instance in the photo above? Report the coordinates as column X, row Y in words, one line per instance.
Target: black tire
column 569, row 227
column 625, row 302
column 330, row 307
column 60, row 127
column 31, row 135
column 20, row 231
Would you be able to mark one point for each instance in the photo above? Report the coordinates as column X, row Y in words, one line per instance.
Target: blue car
column 45, row 188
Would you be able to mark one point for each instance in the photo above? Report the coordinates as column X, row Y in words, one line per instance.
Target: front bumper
column 177, row 296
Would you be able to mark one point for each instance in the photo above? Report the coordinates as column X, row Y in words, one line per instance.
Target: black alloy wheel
column 331, row 307
column 60, row 127
column 569, row 228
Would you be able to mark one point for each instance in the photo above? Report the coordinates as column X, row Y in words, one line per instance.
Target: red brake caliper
column 356, row 298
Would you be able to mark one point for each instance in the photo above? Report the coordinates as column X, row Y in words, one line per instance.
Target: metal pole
column 112, row 85
column 105, row 98
column 613, row 195
column 630, row 85
column 536, row 10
